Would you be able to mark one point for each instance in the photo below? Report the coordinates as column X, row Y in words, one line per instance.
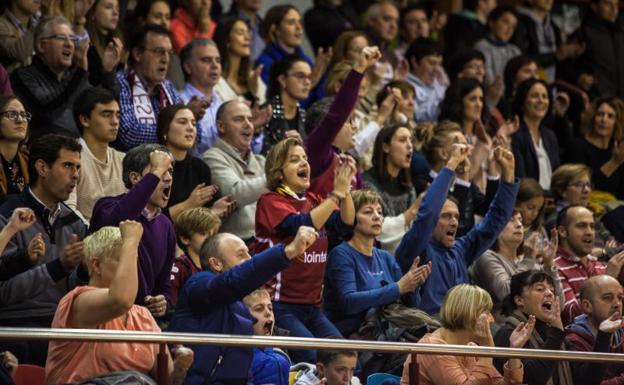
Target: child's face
column 503, row 27
column 261, row 309
column 195, row 242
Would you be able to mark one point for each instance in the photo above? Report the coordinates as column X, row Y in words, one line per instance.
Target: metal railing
column 90, row 335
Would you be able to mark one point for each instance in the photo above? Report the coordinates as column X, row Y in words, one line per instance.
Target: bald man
column 598, row 330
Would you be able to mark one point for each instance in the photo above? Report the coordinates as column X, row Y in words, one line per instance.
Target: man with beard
column 575, row 225
column 601, row 300
column 30, row 299
column 147, row 173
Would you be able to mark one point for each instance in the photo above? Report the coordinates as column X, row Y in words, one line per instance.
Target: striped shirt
column 572, row 273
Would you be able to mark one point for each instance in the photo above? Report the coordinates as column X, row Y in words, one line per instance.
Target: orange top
column 75, row 361
column 184, row 29
column 455, row 370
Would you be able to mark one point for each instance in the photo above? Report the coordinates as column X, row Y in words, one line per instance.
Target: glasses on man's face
column 64, row 38
column 13, row 115
column 581, row 185
column 159, row 51
column 301, row 75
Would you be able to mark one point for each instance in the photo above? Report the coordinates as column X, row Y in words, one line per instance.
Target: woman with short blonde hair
column 466, row 317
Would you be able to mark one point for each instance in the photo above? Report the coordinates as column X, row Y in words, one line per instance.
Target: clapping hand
column 522, row 333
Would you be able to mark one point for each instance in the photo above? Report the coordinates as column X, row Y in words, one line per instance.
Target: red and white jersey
column 302, row 281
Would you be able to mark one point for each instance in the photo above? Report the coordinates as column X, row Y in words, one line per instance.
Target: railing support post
column 163, row 366
column 414, row 370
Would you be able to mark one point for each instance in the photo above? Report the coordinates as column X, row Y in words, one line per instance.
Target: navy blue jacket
column 450, row 265
column 212, row 303
column 526, row 155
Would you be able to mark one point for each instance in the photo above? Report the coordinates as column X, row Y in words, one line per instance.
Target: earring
column 165, row 138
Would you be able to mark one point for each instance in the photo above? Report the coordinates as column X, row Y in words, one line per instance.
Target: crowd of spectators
column 418, row 175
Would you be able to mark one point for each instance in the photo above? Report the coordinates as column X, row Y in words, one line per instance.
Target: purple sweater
column 157, row 247
column 319, row 142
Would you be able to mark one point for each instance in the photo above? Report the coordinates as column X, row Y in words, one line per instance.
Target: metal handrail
column 298, row 343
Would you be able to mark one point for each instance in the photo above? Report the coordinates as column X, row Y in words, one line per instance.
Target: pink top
column 455, row 370
column 184, row 29
column 74, row 361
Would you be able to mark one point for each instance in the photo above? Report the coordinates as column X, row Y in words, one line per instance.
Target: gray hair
column 374, row 11
column 44, row 28
column 138, row 158
column 187, row 51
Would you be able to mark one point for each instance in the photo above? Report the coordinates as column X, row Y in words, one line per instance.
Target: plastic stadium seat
column 29, row 375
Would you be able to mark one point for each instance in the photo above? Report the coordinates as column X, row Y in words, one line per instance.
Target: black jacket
column 604, row 53
column 51, row 100
column 525, row 153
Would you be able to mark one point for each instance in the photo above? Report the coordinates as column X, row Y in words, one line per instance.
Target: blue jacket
column 212, row 303
column 450, row 265
column 270, row 366
column 356, row 282
column 273, row 53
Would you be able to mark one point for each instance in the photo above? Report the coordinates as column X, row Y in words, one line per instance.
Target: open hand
column 522, row 333
column 36, row 248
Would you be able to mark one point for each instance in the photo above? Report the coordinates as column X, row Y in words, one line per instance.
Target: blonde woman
column 466, row 317
column 107, row 303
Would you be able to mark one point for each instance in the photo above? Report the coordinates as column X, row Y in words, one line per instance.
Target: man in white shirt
column 96, row 112
column 201, row 64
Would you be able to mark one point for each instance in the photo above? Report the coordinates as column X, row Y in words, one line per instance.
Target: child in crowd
column 530, row 203
column 193, row 227
column 332, row 368
column 269, row 365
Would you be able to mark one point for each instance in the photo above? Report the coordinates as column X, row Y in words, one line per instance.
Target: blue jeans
column 304, row 321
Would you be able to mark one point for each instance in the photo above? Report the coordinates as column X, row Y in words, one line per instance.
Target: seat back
column 29, row 375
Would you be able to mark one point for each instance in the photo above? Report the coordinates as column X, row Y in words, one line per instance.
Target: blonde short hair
column 462, row 305
column 197, row 219
column 255, row 294
column 103, row 244
column 364, row 197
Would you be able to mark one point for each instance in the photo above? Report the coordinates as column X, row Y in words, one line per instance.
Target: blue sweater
column 356, row 283
column 212, row 303
column 450, row 265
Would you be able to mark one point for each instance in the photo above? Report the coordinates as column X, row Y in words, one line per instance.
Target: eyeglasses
column 64, row 38
column 13, row 115
column 581, row 185
column 160, row 51
column 301, row 76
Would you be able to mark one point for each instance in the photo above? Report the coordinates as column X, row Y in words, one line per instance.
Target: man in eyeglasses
column 145, row 89
column 58, row 73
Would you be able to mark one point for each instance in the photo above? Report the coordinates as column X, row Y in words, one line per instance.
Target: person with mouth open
column 270, row 365
column 296, row 291
column 598, row 329
column 211, row 301
column 576, row 228
column 432, row 235
column 532, row 296
column 147, row 174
